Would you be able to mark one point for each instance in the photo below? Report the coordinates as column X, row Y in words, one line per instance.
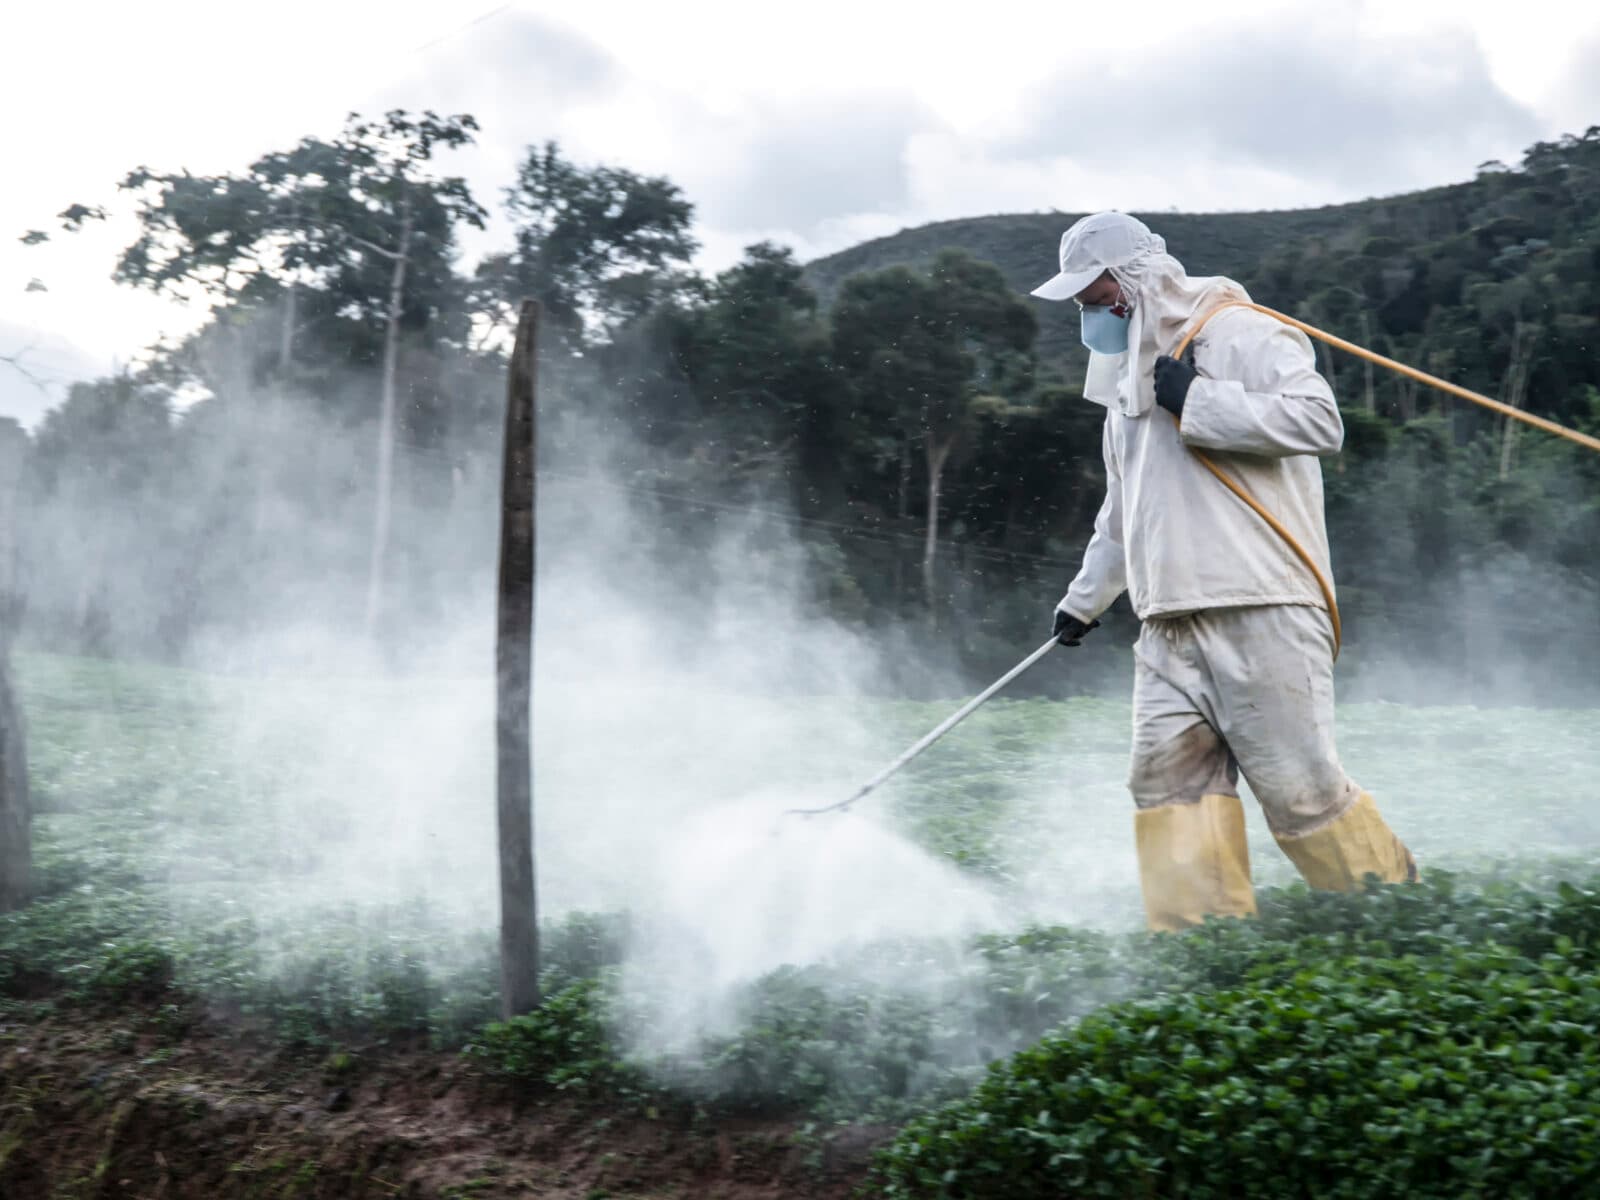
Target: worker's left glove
column 1173, row 377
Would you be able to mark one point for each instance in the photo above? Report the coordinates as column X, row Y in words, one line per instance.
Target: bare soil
column 125, row 1105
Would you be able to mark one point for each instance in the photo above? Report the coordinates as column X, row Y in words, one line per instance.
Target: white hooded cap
column 1165, row 299
column 1093, row 244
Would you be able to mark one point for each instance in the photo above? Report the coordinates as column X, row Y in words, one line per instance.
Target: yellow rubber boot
column 1337, row 857
column 1193, row 862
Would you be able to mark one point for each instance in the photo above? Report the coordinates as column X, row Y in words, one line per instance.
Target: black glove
column 1069, row 630
column 1173, row 377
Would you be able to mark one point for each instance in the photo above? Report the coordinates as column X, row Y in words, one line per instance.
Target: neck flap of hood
column 1166, row 301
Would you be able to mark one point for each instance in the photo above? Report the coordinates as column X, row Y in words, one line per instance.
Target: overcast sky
column 817, row 124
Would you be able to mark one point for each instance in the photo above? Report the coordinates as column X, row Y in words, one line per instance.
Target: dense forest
column 899, row 422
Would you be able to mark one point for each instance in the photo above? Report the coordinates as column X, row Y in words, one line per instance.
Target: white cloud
column 1573, row 100
column 1348, row 111
column 816, row 126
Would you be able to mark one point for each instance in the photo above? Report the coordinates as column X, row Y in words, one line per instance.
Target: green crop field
column 314, row 857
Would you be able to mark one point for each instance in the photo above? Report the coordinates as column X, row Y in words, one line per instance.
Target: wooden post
column 519, row 918
column 16, row 842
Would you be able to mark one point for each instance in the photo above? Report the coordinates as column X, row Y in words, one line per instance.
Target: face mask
column 1104, row 328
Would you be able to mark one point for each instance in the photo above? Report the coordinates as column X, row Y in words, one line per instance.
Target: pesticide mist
column 309, row 795
column 294, row 795
column 303, row 789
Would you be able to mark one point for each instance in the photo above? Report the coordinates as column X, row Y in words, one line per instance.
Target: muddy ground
column 116, row 1105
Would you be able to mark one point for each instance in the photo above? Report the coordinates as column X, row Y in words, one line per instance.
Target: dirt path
column 109, row 1107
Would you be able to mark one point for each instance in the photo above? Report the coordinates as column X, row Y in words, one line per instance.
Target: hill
column 1024, row 246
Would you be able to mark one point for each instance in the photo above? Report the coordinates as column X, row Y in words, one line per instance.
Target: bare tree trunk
column 1366, row 340
column 1008, row 538
column 519, row 924
column 16, row 812
column 291, row 307
column 286, row 332
column 386, row 424
column 904, row 513
column 905, row 479
column 938, row 454
column 1513, row 391
column 262, row 409
column 1407, row 387
column 1327, row 364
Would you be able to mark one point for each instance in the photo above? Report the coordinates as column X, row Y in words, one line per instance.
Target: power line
column 868, row 533
column 1042, row 568
column 445, row 37
column 993, row 552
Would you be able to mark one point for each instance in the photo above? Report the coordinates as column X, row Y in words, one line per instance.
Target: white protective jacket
column 1169, row 532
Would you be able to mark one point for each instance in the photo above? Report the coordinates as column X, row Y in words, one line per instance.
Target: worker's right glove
column 1069, row 630
column 1172, row 378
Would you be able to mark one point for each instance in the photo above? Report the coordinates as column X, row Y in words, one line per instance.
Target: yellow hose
column 1237, row 489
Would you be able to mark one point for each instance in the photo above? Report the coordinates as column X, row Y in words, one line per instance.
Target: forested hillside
column 901, row 415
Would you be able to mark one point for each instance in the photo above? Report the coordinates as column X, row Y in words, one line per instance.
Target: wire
column 887, row 537
column 994, row 553
column 445, row 37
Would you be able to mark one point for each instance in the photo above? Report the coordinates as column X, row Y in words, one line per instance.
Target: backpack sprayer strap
column 1238, row 488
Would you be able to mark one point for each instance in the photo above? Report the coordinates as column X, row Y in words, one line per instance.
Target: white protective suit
column 1168, row 532
column 1235, row 661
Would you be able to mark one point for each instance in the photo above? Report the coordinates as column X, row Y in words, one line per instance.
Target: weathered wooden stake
column 519, row 919
column 16, row 842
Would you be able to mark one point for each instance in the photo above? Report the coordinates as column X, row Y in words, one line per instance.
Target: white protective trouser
column 1246, row 689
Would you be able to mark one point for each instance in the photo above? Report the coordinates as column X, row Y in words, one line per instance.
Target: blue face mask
column 1104, row 328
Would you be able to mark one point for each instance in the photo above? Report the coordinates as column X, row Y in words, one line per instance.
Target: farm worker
column 1233, row 668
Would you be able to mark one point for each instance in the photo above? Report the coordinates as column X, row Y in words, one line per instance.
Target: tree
column 16, row 815
column 756, row 355
column 922, row 351
column 360, row 221
column 100, row 467
column 597, row 247
column 385, row 198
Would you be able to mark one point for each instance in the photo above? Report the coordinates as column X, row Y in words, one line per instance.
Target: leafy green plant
column 132, row 972
column 126, row 766
column 1432, row 1040
column 1475, row 1072
column 562, row 1044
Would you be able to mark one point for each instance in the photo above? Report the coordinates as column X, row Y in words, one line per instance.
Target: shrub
column 562, row 1044
column 1473, row 1072
column 133, row 972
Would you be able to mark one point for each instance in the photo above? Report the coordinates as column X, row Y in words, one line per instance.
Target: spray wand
column 933, row 735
